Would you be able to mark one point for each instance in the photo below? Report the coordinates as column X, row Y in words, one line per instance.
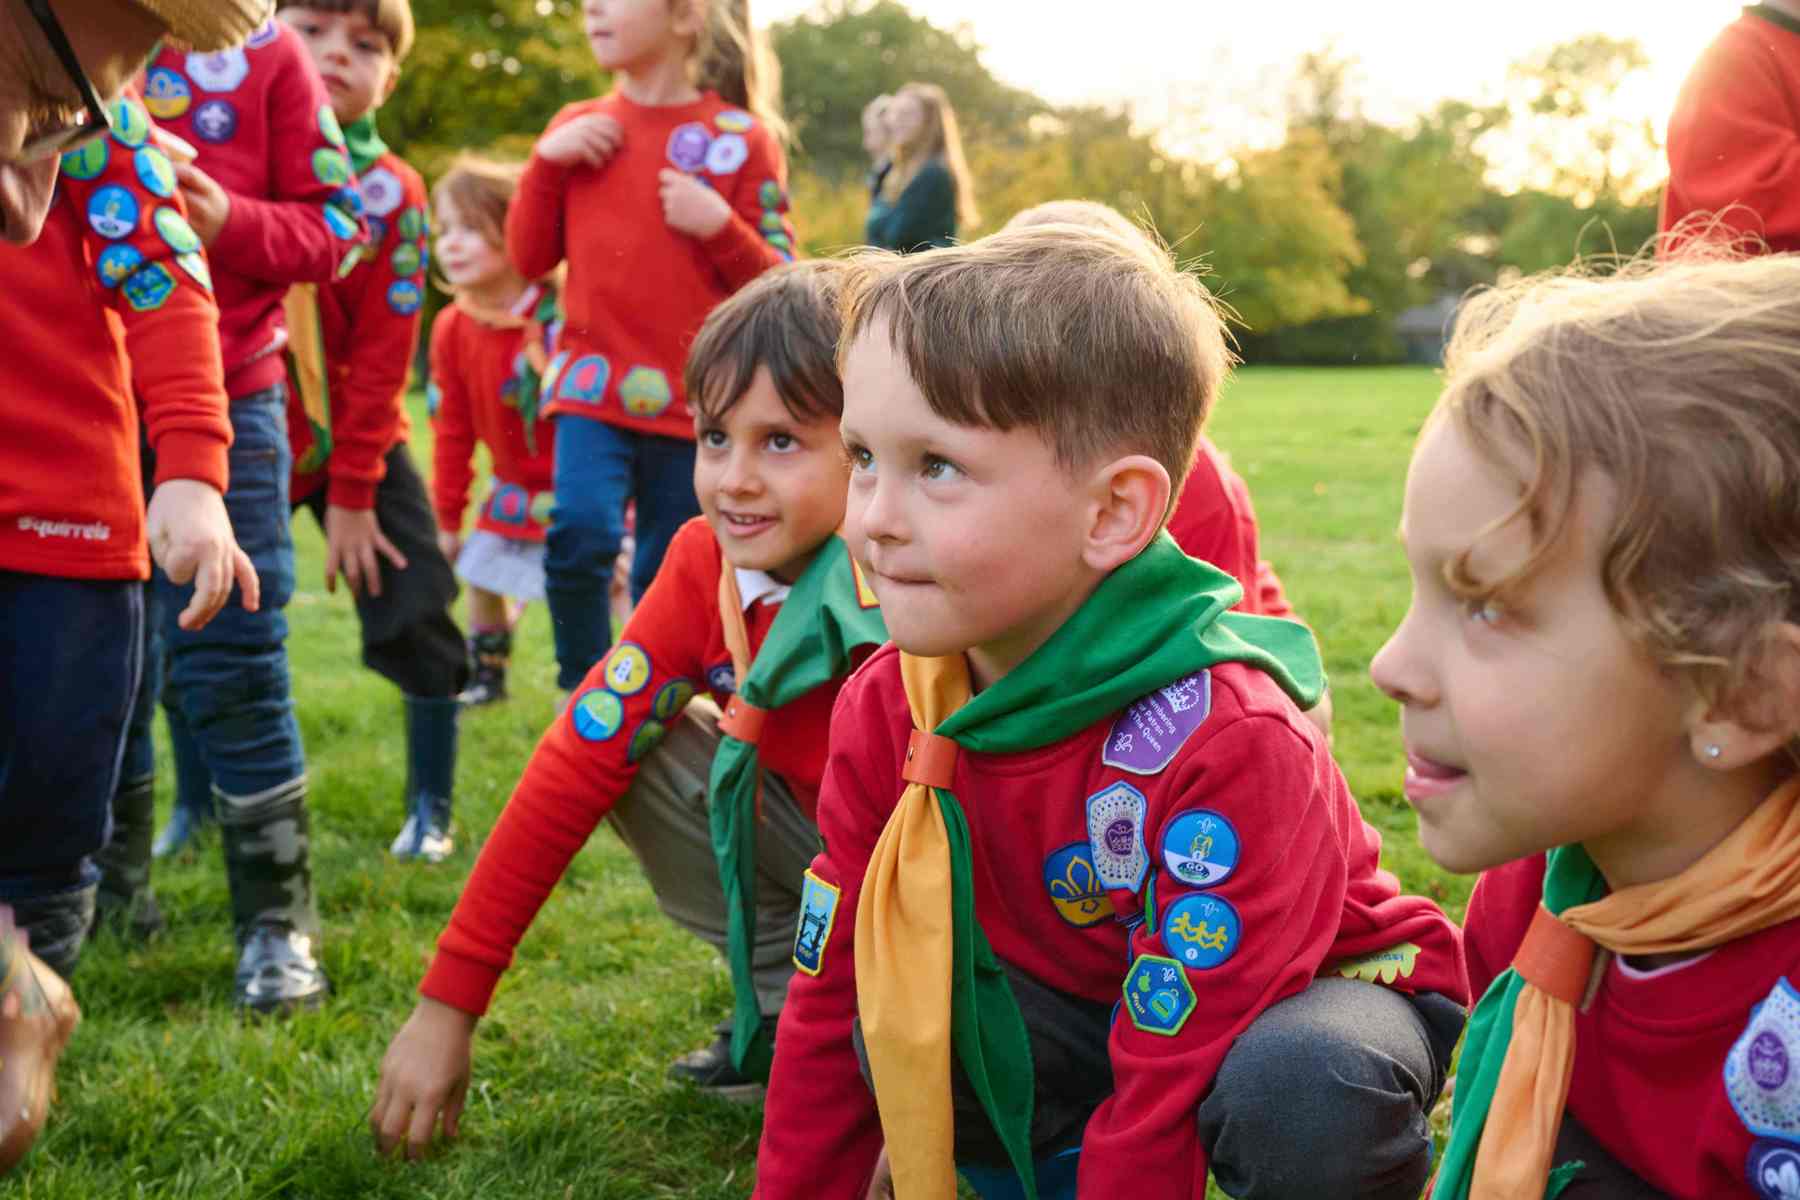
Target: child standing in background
column 664, row 196
column 488, row 353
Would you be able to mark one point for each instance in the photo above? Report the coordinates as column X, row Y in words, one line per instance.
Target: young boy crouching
column 1096, row 910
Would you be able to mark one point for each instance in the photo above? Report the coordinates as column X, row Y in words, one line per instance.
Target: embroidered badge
column 329, row 127
column 671, row 698
column 348, row 199
column 508, row 504
column 412, row 224
column 818, row 910
column 405, row 259
column 404, row 297
column 547, row 386
column 721, row 679
column 1200, row 848
column 1773, row 1169
column 148, row 287
column 155, row 172
column 131, row 124
column 771, row 222
column 1158, row 997
column 727, row 153
column 343, row 228
column 584, row 380
column 330, row 167
column 378, row 230
column 116, row 263
column 1115, row 826
column 87, row 162
column 382, row 192
column 648, row 736
column 627, row 669
column 1201, row 930
column 734, row 120
column 688, row 145
column 1075, row 890
column 174, row 229
column 645, row 392
column 166, row 93
column 542, row 505
column 1383, row 966
column 112, row 211
column 222, row 71
column 597, row 714
column 1146, row 736
column 1761, row 1078
column 269, row 33
column 216, row 121
column 768, row 194
column 434, row 398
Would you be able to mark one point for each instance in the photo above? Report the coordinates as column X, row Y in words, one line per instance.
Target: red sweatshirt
column 1689, row 1075
column 1734, row 138
column 103, row 302
column 370, row 321
column 259, row 117
column 474, row 372
column 637, row 289
column 672, row 646
column 1226, row 785
column 1214, row 521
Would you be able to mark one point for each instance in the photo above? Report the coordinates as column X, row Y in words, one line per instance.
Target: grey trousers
column 664, row 819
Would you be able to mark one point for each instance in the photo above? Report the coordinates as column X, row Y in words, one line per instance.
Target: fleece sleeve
column 759, row 233
column 534, row 220
column 452, row 426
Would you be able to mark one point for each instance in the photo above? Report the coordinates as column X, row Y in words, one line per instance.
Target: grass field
column 166, row 1092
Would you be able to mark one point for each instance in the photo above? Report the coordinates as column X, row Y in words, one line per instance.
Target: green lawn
column 166, row 1092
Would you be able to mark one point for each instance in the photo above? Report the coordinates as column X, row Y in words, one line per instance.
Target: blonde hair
column 394, row 18
column 1679, row 382
column 940, row 138
column 1095, row 341
column 1091, row 213
column 733, row 58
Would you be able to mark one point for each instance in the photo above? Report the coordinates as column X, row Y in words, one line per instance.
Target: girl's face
column 464, row 254
column 629, row 34
column 905, row 117
column 1530, row 721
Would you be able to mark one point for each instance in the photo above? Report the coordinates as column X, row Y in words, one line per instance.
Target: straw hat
column 210, row 24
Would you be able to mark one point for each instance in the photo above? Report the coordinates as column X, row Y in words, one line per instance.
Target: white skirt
column 502, row 565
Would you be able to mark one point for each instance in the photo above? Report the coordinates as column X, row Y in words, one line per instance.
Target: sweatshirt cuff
column 460, row 982
column 351, row 493
column 186, row 454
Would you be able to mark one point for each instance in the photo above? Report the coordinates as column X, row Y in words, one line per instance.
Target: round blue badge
column 155, row 172
column 722, row 679
column 131, row 124
column 378, row 230
column 404, row 297
column 1201, row 930
column 348, row 199
column 113, row 212
column 87, row 162
column 148, row 287
column 597, row 714
column 166, row 93
column 1075, row 888
column 116, row 263
column 1200, row 848
column 1773, row 1168
column 195, row 265
column 175, row 231
column 216, row 121
column 341, row 224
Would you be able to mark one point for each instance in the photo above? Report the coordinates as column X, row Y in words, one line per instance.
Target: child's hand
column 590, row 139
column 449, row 545
column 208, row 204
column 190, row 539
column 352, row 539
column 691, row 207
column 425, row 1072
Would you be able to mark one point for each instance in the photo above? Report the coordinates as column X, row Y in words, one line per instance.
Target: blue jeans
column 70, row 656
column 598, row 468
column 231, row 677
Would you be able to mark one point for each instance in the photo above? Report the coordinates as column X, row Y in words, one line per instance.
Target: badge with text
column 1762, row 1076
column 1200, row 848
column 1115, row 826
column 1146, row 736
column 818, row 909
column 1158, row 997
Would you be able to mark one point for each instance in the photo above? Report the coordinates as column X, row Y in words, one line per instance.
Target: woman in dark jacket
column 925, row 193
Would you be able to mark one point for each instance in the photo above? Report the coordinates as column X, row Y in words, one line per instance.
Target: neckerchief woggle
column 306, row 333
column 927, row 979
column 828, row 613
column 1513, row 1078
column 541, row 320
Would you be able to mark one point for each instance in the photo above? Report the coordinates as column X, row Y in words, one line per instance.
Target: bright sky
column 1229, row 62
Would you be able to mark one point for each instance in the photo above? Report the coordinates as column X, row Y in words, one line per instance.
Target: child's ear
column 1130, row 498
column 1762, row 716
column 392, row 79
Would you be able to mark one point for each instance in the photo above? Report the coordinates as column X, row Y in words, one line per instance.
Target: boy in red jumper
column 1125, row 888
column 272, row 198
column 759, row 605
column 352, row 469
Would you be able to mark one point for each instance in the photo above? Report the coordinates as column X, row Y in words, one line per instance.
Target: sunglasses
column 89, row 125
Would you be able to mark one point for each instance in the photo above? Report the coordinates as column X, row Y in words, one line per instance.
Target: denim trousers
column 598, row 468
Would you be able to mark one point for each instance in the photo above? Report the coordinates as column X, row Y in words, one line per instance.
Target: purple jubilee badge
column 1146, row 736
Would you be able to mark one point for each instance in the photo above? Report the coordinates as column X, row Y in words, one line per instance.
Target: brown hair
column 394, row 18
column 786, row 320
column 1680, row 383
column 939, row 138
column 1094, row 340
column 733, row 58
column 481, row 190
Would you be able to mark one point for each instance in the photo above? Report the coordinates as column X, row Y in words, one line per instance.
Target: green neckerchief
column 529, row 385
column 364, row 143
column 1160, row 617
column 820, row 623
column 1570, row 878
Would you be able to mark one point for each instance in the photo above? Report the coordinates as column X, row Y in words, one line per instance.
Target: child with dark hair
column 759, row 605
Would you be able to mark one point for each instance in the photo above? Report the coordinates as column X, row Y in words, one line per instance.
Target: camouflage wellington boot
column 268, row 865
column 57, row 924
column 489, row 653
column 124, row 896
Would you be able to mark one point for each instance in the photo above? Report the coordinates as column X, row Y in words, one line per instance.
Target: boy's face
column 1535, row 721
column 972, row 538
column 353, row 56
column 464, row 254
column 771, row 486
